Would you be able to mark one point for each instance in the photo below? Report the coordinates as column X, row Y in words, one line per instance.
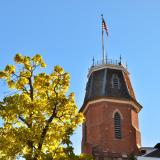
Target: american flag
column 104, row 26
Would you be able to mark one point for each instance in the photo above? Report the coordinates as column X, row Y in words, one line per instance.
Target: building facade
column 111, row 129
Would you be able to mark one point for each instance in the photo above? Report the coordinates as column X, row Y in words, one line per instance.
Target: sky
column 68, row 33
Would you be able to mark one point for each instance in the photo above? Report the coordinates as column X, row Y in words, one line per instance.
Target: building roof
column 100, row 85
column 155, row 153
column 151, row 151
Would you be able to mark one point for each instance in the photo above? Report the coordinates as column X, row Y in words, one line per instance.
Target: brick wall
column 100, row 129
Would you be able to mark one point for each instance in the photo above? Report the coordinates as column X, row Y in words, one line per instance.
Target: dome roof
column 109, row 81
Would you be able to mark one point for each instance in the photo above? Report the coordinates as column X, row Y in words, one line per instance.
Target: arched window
column 117, row 125
column 115, row 81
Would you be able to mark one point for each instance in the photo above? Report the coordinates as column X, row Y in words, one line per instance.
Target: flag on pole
column 104, row 26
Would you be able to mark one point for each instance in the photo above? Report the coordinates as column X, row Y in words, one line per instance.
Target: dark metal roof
column 155, row 153
column 99, row 85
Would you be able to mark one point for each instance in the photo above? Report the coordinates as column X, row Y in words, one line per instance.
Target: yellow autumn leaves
column 26, row 60
column 40, row 115
column 29, row 64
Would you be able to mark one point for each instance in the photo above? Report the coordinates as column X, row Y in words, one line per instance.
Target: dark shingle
column 155, row 153
column 99, row 85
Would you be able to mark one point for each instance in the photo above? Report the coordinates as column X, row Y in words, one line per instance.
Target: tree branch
column 44, row 132
column 24, row 121
column 45, row 129
column 31, row 88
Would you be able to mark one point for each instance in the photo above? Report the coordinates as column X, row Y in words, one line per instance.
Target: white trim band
column 112, row 100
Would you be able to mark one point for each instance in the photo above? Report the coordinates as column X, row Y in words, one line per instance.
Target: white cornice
column 112, row 100
column 103, row 66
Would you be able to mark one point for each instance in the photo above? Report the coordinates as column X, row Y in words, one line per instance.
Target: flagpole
column 106, row 54
column 103, row 54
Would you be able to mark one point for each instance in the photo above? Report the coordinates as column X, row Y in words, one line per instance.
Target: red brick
column 100, row 129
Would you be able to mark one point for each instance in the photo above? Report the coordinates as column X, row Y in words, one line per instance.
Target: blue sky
column 68, row 33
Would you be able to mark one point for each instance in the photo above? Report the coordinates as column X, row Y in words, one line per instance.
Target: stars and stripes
column 104, row 26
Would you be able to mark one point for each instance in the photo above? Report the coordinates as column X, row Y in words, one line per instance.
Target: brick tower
column 111, row 129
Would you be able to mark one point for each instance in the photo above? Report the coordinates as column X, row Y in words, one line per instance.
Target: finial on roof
column 93, row 62
column 120, row 60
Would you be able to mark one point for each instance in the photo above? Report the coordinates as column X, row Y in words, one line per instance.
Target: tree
column 39, row 118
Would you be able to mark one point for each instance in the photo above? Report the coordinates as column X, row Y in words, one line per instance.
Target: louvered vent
column 115, row 83
column 117, row 125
